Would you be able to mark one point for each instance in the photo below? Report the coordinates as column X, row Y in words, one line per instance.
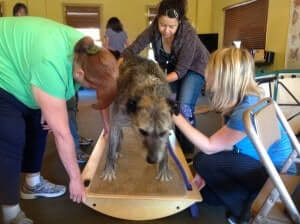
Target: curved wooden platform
column 135, row 194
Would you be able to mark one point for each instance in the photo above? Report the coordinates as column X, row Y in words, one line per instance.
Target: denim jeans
column 187, row 91
column 188, row 88
column 72, row 112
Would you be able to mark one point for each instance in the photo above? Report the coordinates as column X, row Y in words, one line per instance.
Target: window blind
column 248, row 23
column 82, row 16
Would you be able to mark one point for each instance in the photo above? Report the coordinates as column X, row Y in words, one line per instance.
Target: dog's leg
column 164, row 174
column 118, row 151
column 109, row 173
column 119, row 121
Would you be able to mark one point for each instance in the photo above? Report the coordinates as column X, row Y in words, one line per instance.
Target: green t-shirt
column 36, row 51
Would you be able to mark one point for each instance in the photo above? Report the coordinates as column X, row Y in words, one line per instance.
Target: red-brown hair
column 100, row 69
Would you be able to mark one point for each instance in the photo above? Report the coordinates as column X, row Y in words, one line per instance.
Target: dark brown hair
column 115, row 24
column 100, row 69
column 19, row 6
column 172, row 9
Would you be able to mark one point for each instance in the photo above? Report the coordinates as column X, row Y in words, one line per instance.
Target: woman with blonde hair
column 228, row 168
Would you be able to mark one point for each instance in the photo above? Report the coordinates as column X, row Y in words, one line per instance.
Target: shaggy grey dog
column 142, row 103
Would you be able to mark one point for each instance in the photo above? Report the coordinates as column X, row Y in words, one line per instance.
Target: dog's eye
column 143, row 132
column 162, row 134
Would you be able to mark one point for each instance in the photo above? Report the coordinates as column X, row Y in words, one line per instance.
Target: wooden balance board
column 136, row 194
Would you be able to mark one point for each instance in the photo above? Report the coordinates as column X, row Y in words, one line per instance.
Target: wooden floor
column 62, row 210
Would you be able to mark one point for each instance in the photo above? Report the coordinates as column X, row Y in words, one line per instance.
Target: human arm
column 105, row 42
column 189, row 51
column 198, row 181
column 105, row 120
column 127, row 43
column 55, row 113
column 185, row 56
column 104, row 113
column 224, row 139
column 172, row 77
column 106, row 38
column 140, row 43
column 120, row 60
column 44, row 124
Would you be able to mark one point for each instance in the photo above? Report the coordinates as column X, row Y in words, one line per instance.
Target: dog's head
column 151, row 118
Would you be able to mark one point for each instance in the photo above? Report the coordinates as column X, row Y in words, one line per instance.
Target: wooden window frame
column 150, row 53
column 65, row 5
column 148, row 8
column 252, row 34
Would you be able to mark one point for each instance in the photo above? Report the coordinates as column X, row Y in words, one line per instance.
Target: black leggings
column 232, row 180
column 22, row 145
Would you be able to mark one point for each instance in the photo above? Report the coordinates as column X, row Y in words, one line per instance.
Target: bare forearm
column 105, row 114
column 105, row 42
column 66, row 150
column 120, row 60
column 172, row 77
column 55, row 112
column 201, row 141
column 105, row 119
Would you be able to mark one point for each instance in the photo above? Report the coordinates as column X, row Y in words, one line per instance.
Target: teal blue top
column 278, row 152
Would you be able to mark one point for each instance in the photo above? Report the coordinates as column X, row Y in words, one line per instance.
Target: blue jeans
column 187, row 91
column 72, row 112
column 188, row 88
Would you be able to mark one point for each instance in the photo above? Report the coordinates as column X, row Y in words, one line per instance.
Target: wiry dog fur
column 142, row 103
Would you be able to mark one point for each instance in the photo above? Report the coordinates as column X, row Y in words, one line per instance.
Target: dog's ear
column 174, row 106
column 132, row 105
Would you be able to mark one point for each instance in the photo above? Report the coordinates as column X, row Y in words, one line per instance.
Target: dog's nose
column 150, row 160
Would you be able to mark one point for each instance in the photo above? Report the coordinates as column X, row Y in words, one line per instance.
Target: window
column 151, row 14
column 246, row 22
column 85, row 19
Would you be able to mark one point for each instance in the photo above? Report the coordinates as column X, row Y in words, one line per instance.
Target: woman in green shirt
column 41, row 64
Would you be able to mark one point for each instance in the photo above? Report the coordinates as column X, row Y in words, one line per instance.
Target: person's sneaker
column 83, row 141
column 233, row 220
column 82, row 157
column 21, row 219
column 43, row 189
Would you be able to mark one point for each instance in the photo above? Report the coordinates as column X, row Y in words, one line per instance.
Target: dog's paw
column 109, row 174
column 164, row 175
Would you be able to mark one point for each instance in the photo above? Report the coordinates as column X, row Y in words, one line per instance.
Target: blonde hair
column 229, row 77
